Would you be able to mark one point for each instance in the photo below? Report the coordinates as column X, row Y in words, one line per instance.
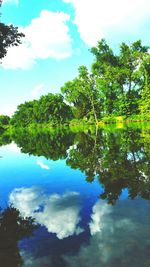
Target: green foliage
column 4, row 120
column 13, row 228
column 5, row 138
column 145, row 99
column 117, row 157
column 4, row 123
column 50, row 109
column 118, row 85
column 109, row 119
column 82, row 93
column 119, row 77
column 50, row 143
column 138, row 118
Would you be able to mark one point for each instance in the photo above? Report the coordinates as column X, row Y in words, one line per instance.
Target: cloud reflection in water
column 118, row 236
column 58, row 213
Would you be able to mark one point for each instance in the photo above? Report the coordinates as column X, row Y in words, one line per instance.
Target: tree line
column 118, row 84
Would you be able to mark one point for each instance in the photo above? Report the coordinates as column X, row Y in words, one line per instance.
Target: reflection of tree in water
column 13, row 227
column 125, row 165
column 145, row 135
column 51, row 144
column 5, row 138
column 118, row 159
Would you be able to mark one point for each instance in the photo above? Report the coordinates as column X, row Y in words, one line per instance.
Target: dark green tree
column 4, row 123
column 13, row 228
column 4, row 120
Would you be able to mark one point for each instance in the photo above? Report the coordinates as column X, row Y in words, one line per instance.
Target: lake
column 76, row 198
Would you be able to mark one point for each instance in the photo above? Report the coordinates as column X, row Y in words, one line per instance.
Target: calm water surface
column 75, row 199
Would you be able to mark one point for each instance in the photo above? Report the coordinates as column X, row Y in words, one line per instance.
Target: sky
column 58, row 38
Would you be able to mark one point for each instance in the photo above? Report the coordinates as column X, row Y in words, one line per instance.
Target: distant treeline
column 117, row 85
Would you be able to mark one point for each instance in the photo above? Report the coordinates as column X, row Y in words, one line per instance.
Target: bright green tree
column 48, row 109
column 119, row 76
column 145, row 100
column 83, row 94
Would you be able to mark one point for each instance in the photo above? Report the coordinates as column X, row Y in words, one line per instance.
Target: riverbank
column 79, row 125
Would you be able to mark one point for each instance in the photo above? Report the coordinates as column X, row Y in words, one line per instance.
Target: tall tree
column 145, row 100
column 104, row 69
column 119, row 76
column 131, row 82
column 82, row 93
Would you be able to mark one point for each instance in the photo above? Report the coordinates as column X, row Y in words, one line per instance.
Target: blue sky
column 59, row 34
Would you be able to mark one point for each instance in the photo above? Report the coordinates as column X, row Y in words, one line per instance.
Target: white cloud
column 42, row 165
column 118, row 238
column 8, row 109
column 114, row 233
column 100, row 210
column 26, row 200
column 20, row 57
column 46, row 37
column 11, row 1
column 36, row 91
column 12, row 148
column 96, row 18
column 59, row 214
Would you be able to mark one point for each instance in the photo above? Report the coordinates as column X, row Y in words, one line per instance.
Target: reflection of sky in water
column 77, row 229
column 119, row 236
column 19, row 170
column 60, row 213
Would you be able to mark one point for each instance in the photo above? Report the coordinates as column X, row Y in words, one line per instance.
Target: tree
column 119, row 160
column 52, row 143
column 50, row 108
column 4, row 120
column 9, row 36
column 115, row 84
column 4, row 123
column 130, row 59
column 119, row 76
column 82, row 93
column 104, row 69
column 13, row 228
column 145, row 99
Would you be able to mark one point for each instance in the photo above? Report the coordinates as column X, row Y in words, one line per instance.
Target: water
column 76, row 199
